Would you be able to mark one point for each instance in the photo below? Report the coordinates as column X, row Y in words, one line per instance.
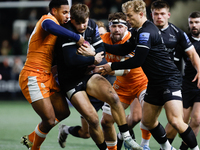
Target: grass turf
column 18, row 118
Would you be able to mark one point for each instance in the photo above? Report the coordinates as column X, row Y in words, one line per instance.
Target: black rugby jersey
column 174, row 37
column 189, row 71
column 151, row 54
column 72, row 66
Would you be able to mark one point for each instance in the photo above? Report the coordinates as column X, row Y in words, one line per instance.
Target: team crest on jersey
column 144, row 37
column 172, row 38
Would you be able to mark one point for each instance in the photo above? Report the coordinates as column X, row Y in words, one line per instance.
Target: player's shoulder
column 175, row 28
column 48, row 16
column 149, row 26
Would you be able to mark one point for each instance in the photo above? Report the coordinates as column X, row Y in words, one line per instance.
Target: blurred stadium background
column 17, row 20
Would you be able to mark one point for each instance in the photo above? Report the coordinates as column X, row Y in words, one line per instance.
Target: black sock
column 183, row 146
column 170, row 140
column 132, row 134
column 123, row 128
column 189, row 138
column 159, row 134
column 74, row 130
column 102, row 146
column 119, row 143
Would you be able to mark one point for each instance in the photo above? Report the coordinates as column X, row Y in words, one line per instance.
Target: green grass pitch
column 17, row 118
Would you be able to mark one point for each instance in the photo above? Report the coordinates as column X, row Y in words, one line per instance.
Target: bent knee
column 107, row 121
column 63, row 116
column 133, row 121
column 93, row 121
column 195, row 121
column 176, row 123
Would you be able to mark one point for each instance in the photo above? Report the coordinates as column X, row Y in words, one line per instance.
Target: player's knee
column 64, row 115
column 114, row 99
column 195, row 121
column 148, row 124
column 93, row 121
column 106, row 122
column 176, row 123
column 50, row 123
column 135, row 120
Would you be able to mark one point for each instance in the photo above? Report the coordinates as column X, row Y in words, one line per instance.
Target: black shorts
column 96, row 103
column 159, row 96
column 70, row 88
column 190, row 97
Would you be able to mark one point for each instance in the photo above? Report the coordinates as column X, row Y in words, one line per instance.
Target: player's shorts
column 159, row 96
column 96, row 103
column 70, row 89
column 37, row 85
column 190, row 97
column 128, row 93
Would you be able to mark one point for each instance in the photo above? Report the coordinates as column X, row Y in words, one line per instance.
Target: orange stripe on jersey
column 136, row 76
column 41, row 46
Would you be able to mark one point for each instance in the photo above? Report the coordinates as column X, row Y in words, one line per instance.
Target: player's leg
column 135, row 115
column 36, row 87
column 150, row 120
column 174, row 115
column 146, row 135
column 82, row 104
column 100, row 88
column 45, row 110
column 194, row 121
column 195, row 118
column 171, row 132
column 61, row 109
column 186, row 119
column 60, row 106
column 109, row 131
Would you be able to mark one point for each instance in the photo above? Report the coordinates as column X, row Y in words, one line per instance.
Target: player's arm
column 194, row 58
column 119, row 49
column 74, row 59
column 141, row 52
column 55, row 29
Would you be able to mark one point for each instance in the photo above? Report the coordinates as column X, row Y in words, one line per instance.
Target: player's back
column 41, row 46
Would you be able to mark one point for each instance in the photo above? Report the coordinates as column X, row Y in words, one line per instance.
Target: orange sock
column 39, row 138
column 112, row 145
column 31, row 136
column 146, row 134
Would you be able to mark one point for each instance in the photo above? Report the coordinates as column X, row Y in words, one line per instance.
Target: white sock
column 196, row 148
column 109, row 143
column 166, row 145
column 142, row 126
column 144, row 142
column 119, row 135
column 125, row 135
column 66, row 129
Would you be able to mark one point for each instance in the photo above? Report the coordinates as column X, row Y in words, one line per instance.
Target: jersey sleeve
column 55, row 29
column 72, row 58
column 184, row 41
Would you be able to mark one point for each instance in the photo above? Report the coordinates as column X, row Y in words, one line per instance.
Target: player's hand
column 98, row 57
column 81, row 41
column 197, row 77
column 86, row 50
column 103, row 69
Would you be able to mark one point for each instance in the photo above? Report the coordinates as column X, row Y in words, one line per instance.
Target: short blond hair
column 136, row 5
